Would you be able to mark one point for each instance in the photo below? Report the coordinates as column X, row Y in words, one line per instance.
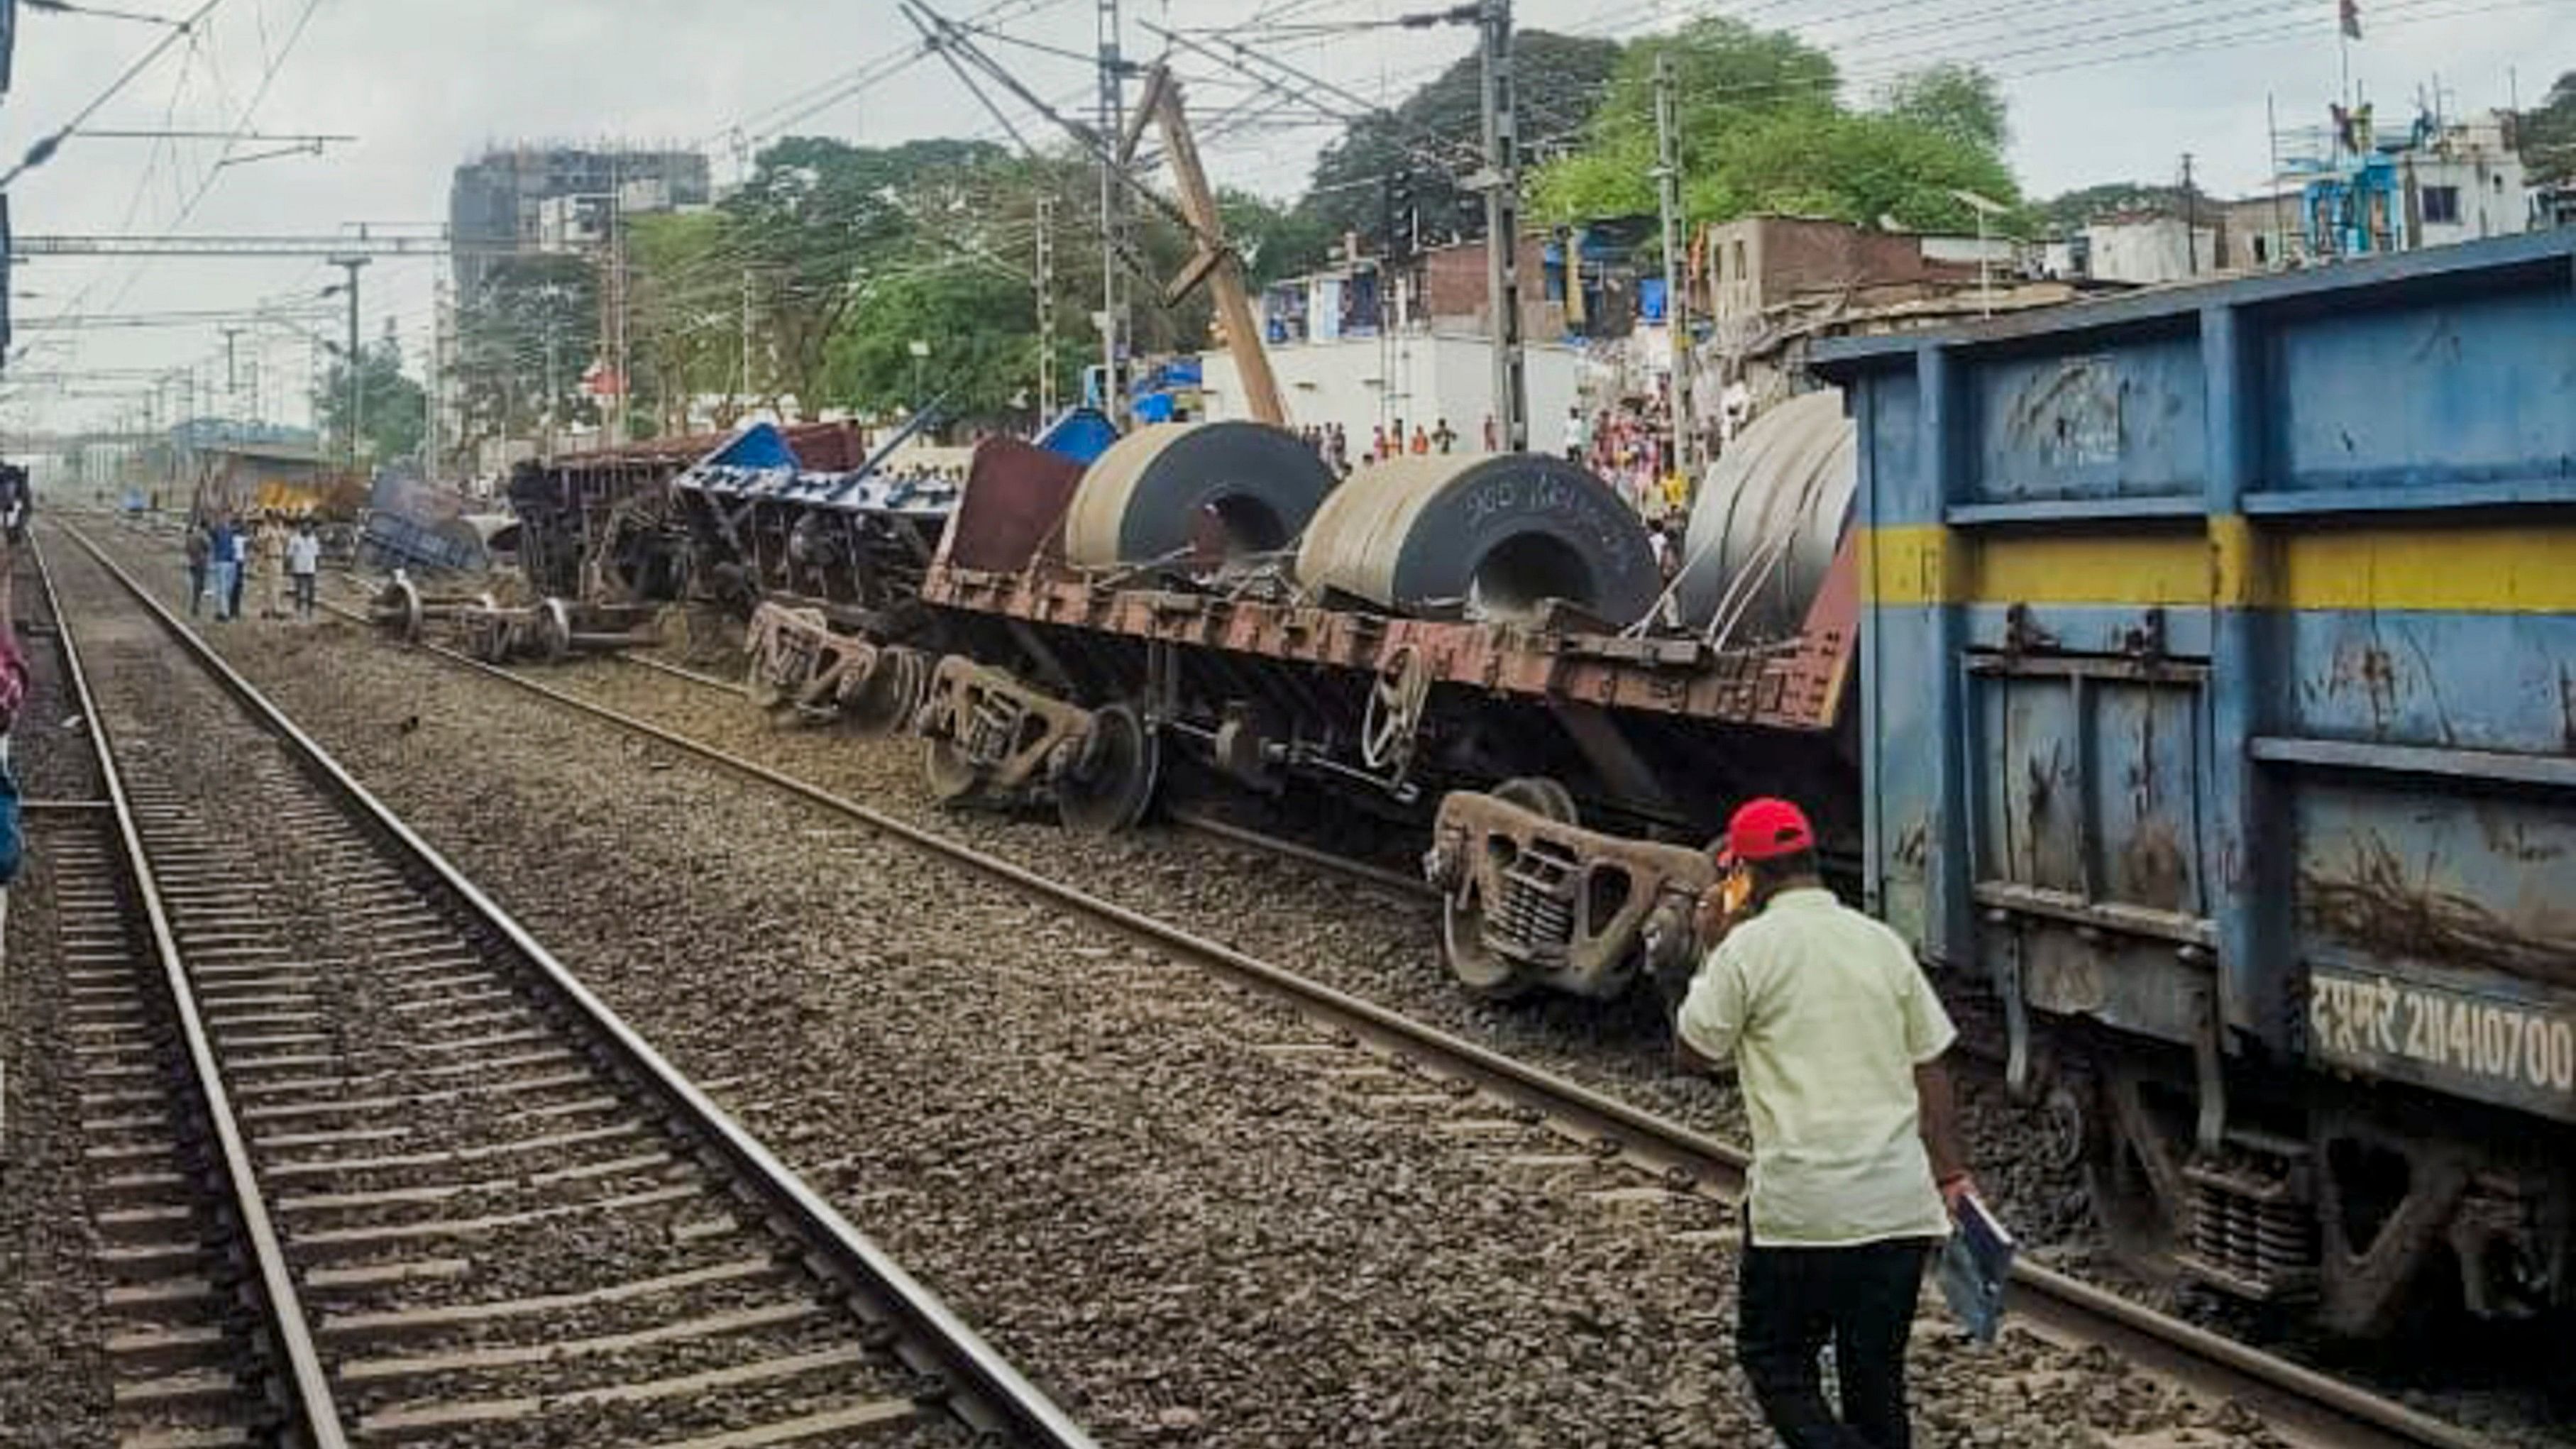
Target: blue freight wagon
column 2218, row 687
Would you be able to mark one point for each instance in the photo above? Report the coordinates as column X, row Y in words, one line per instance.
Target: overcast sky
column 2100, row 90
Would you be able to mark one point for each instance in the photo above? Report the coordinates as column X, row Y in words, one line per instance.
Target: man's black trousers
column 1791, row 1302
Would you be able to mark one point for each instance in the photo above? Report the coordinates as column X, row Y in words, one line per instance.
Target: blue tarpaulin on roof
column 759, row 446
column 1079, row 433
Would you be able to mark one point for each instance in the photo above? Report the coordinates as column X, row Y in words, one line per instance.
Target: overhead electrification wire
column 44, row 149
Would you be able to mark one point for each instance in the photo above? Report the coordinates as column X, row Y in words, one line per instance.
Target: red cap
column 1766, row 829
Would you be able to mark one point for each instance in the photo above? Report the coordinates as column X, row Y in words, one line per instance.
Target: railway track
column 2303, row 1405
column 449, row 1196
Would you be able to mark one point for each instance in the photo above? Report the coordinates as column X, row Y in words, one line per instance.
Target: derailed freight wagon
column 600, row 526
column 1458, row 641
column 2218, row 684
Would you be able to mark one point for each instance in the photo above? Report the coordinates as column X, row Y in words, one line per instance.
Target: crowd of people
column 227, row 555
column 1629, row 447
column 1332, row 443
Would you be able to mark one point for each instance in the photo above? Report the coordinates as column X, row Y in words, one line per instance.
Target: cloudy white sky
column 2100, row 90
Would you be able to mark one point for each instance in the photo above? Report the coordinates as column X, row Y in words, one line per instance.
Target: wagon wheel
column 1540, row 796
column 401, row 599
column 553, row 629
column 1485, row 973
column 1108, row 788
column 881, row 700
column 1388, row 727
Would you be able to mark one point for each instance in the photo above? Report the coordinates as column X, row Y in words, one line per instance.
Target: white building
column 2148, row 250
column 2465, row 183
column 1364, row 383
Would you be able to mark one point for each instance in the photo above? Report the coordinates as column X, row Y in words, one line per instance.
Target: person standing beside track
column 219, row 565
column 1837, row 1038
column 304, row 566
column 271, row 546
column 240, row 576
column 198, row 548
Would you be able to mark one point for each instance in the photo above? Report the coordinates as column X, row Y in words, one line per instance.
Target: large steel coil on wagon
column 1769, row 516
column 1494, row 535
column 1174, row 488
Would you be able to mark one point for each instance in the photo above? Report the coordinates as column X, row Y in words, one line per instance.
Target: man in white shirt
column 304, row 566
column 1577, row 436
column 1837, row 1039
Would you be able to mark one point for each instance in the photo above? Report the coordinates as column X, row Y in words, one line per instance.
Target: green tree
column 1762, row 131
column 524, row 339
column 980, row 350
column 684, row 318
column 819, row 218
column 1436, row 134
column 1953, row 100
column 392, row 418
column 1727, row 76
column 2547, row 133
column 1274, row 241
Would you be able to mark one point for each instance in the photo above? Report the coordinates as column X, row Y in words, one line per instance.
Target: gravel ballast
column 1169, row 1201
column 49, row 1281
column 1377, row 943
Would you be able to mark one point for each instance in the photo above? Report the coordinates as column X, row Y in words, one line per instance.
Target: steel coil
column 1488, row 535
column 1768, row 518
column 1174, row 488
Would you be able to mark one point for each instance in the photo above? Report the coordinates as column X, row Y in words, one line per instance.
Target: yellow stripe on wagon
column 2459, row 568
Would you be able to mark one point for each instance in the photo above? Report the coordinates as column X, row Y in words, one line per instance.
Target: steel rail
column 703, row 681
column 992, row 1395
column 2297, row 1401
column 306, row 1389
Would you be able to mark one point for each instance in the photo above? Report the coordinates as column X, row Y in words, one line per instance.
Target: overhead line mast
column 1113, row 199
column 1501, row 180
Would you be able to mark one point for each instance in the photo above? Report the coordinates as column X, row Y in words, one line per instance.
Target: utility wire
column 44, row 149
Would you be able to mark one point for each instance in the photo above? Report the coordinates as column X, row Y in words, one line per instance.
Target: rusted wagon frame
column 1798, row 687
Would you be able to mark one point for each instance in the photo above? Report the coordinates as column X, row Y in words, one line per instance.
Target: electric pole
column 1501, row 180
column 436, row 391
column 357, row 391
column 746, row 345
column 1113, row 124
column 613, row 311
column 2190, row 220
column 554, row 389
column 1046, row 309
column 232, row 371
column 1668, row 177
